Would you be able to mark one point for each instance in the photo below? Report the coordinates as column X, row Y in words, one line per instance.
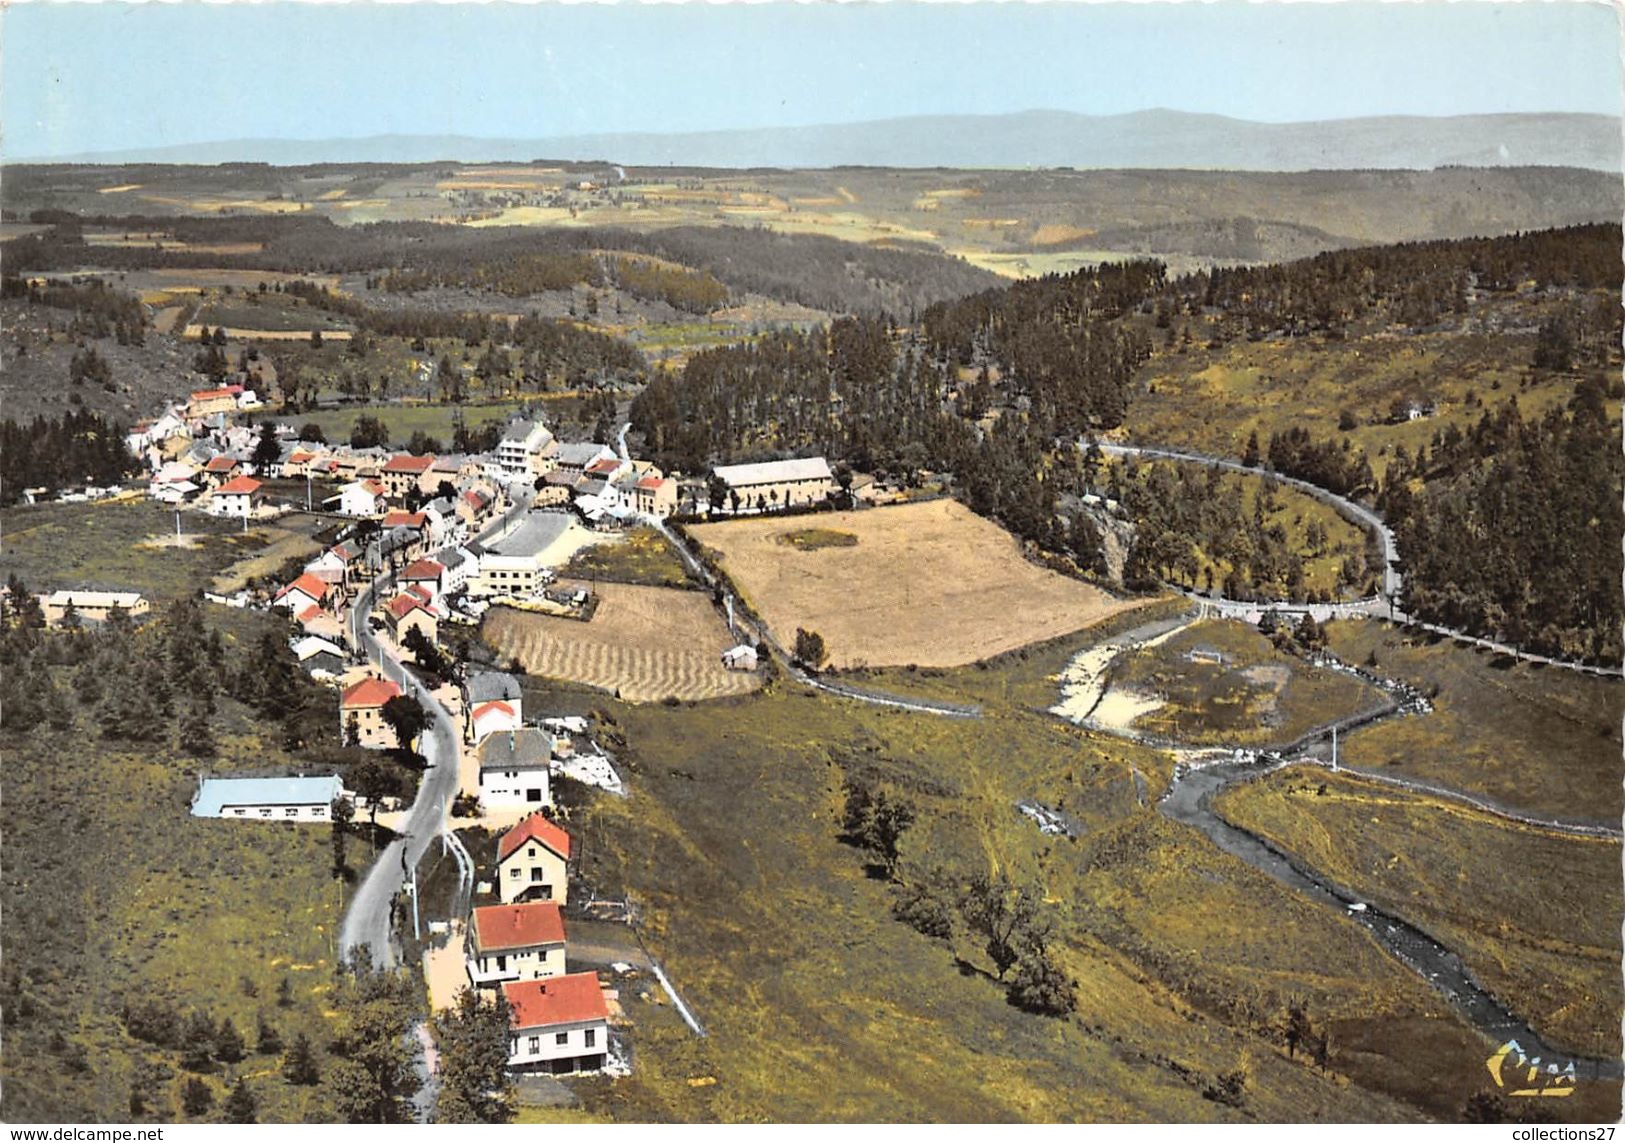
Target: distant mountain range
column 1159, row 140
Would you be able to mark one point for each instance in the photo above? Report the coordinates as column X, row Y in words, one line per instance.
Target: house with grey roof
column 514, row 770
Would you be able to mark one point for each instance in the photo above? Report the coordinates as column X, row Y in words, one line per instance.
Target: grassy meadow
column 819, row 1005
column 1539, row 739
column 126, row 544
column 197, row 915
column 643, row 556
column 1255, row 696
column 1533, row 913
column 1210, row 400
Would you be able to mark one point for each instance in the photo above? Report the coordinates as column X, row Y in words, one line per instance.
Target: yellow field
column 194, row 330
column 219, row 205
column 1052, row 233
column 929, row 583
column 643, row 643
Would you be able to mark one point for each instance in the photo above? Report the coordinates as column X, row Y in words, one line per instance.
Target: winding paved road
column 368, row 920
column 1384, row 606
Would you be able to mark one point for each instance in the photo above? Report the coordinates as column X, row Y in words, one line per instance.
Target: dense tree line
column 824, row 273
column 692, row 291
column 98, row 310
column 1056, row 341
column 1515, row 532
column 517, row 277
column 1192, row 527
column 1413, row 284
column 1331, row 464
column 61, row 452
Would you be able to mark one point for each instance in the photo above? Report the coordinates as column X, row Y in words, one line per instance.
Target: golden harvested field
column 194, row 331
column 647, row 643
column 931, row 584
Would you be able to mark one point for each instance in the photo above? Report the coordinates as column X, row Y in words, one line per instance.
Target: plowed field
column 647, row 643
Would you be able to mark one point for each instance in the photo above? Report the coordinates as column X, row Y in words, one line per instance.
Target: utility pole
column 1334, row 748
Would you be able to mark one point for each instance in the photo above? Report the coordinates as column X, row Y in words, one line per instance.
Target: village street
column 367, row 921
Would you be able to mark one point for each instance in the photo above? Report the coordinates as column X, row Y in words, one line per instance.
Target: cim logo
column 1526, row 1077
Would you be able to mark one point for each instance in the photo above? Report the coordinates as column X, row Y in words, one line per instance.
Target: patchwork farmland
column 931, row 584
column 644, row 643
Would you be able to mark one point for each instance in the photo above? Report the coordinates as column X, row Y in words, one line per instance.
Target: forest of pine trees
column 1516, row 531
column 61, row 452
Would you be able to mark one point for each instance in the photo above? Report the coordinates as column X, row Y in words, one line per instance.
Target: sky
column 78, row 78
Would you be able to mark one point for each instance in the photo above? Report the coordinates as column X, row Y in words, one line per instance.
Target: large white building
column 514, row 564
column 526, row 449
column 268, row 799
column 777, row 483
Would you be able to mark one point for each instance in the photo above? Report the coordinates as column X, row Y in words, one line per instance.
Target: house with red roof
column 655, row 495
column 401, row 518
column 238, row 498
column 405, row 472
column 559, row 1025
column 533, row 862
column 495, row 717
column 409, row 611
column 207, row 402
column 220, row 469
column 300, row 461
column 308, row 590
column 361, row 707
column 426, row 573
column 514, row 942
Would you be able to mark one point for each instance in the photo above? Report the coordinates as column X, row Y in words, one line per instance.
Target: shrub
column 1041, row 987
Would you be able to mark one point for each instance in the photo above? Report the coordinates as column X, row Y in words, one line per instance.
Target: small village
column 576, row 566
column 424, row 543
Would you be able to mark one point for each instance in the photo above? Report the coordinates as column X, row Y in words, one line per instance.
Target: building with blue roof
column 268, row 799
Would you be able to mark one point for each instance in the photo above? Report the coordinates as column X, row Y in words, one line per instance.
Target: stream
column 1206, row 772
column 1189, row 800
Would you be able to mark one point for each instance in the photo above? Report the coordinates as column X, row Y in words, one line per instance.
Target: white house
column 526, row 449
column 268, row 799
column 459, row 566
column 514, row 942
column 740, row 658
column 309, row 590
column 174, row 492
column 514, row 768
column 480, row 690
column 236, row 498
column 559, row 1025
column 427, row 574
column 494, row 717
column 360, row 498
